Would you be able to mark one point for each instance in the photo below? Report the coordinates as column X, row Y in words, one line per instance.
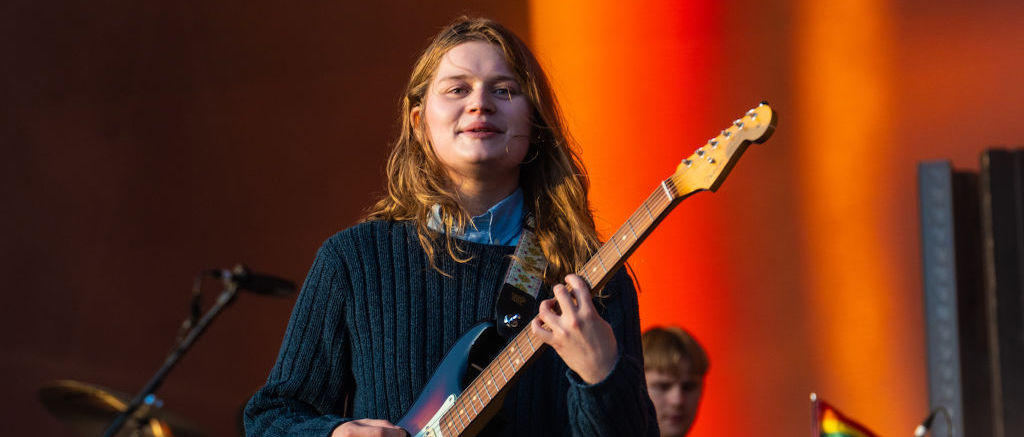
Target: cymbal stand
column 225, row 298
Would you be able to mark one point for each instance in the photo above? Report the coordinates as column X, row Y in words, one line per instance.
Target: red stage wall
column 801, row 274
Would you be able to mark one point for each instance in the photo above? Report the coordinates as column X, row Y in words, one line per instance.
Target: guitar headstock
column 708, row 166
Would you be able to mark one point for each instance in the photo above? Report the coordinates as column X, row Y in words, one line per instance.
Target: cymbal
column 89, row 410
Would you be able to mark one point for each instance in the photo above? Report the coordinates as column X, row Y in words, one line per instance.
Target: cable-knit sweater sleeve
column 618, row 405
column 305, row 388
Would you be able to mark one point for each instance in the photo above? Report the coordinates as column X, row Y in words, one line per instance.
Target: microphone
column 254, row 282
column 926, row 426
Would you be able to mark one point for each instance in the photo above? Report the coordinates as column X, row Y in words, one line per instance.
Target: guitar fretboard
column 624, row 241
column 524, row 346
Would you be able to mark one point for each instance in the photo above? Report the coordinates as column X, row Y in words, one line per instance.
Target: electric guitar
column 448, row 406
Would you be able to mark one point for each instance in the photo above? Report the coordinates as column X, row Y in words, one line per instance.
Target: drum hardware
column 91, row 409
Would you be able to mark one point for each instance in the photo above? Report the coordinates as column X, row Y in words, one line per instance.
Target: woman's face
column 476, row 116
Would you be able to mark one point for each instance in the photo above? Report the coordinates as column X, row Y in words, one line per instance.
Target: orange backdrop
column 801, row 274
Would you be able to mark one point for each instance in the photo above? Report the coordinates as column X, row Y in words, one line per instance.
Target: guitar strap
column 517, row 300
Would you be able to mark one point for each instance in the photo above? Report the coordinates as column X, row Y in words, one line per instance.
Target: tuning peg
column 700, row 152
column 713, row 142
column 738, row 123
column 726, row 133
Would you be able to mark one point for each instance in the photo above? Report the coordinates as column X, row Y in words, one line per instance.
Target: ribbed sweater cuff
column 613, row 406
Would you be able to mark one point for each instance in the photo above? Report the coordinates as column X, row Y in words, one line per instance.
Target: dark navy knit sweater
column 373, row 321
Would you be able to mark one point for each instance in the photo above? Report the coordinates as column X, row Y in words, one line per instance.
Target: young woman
column 481, row 146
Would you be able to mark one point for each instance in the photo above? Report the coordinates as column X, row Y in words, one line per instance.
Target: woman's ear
column 417, row 129
column 414, row 115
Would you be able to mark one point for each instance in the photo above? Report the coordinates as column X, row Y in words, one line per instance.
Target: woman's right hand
column 368, row 428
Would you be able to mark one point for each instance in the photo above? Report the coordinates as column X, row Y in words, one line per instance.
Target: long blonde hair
column 552, row 176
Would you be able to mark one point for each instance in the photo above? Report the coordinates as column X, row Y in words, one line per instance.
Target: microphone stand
column 225, row 298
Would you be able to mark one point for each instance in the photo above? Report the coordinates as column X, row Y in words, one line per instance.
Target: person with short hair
column 675, row 365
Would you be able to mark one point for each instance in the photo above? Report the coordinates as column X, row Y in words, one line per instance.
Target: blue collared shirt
column 500, row 225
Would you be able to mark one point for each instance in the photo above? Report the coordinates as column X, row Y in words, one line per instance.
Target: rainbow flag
column 829, row 422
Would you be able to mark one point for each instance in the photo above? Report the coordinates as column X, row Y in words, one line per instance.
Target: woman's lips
column 479, row 130
column 480, row 134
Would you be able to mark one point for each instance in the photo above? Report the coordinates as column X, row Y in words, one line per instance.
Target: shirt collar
column 500, row 225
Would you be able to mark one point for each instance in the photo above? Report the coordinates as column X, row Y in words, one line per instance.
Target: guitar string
column 477, row 388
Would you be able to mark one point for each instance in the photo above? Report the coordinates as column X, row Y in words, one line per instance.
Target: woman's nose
column 479, row 101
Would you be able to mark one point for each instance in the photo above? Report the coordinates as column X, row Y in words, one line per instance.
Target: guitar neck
column 607, row 260
column 705, row 169
column 524, row 347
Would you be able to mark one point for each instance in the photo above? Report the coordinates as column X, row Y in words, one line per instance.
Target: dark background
column 145, row 141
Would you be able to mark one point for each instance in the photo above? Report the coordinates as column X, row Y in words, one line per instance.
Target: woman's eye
column 505, row 92
column 458, row 91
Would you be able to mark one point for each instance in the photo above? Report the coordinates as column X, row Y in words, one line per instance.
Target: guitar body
column 470, row 354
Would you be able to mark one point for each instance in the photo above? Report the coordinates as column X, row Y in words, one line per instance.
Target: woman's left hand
column 571, row 325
